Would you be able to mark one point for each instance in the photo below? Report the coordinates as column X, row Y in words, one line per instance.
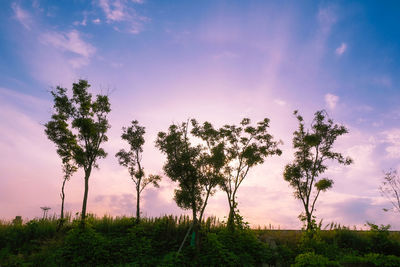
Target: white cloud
column 115, row 11
column 341, row 49
column 331, row 100
column 392, row 138
column 70, row 42
column 22, row 16
column 280, row 102
column 96, row 21
column 118, row 11
column 82, row 23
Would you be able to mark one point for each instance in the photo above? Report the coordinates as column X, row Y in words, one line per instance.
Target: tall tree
column 57, row 131
column 245, row 146
column 196, row 168
column 390, row 189
column 312, row 149
column 78, row 127
column 132, row 160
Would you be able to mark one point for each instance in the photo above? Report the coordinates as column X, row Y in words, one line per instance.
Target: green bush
column 310, row 259
column 371, row 259
column 83, row 247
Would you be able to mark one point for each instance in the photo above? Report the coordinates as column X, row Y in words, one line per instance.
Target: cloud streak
column 118, row 11
column 22, row 16
column 70, row 42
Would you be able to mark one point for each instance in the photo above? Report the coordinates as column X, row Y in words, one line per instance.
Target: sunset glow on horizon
column 163, row 62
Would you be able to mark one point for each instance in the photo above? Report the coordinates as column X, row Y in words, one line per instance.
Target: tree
column 312, row 149
column 390, row 189
column 78, row 127
column 57, row 131
column 68, row 169
column 245, row 146
column 132, row 160
column 195, row 168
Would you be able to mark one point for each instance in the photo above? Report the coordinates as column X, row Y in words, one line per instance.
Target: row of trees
column 199, row 157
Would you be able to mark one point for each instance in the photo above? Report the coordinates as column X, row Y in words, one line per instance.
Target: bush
column 310, row 259
column 83, row 247
column 371, row 259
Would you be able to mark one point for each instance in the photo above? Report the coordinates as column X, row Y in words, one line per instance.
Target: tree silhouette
column 57, row 131
column 196, row 168
column 245, row 146
column 390, row 189
column 313, row 148
column 78, row 127
column 132, row 160
column 68, row 169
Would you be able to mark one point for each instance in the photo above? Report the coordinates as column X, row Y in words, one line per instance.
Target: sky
column 162, row 62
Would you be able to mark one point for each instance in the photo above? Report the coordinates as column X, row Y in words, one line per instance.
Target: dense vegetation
column 155, row 242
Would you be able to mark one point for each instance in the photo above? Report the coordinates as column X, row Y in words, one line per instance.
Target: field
column 111, row 241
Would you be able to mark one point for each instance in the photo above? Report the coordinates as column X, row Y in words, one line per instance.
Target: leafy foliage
column 155, row 241
column 78, row 127
column 196, row 168
column 131, row 159
column 313, row 148
column 245, row 146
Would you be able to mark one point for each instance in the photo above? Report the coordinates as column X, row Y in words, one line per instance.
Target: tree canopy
column 313, row 148
column 245, row 146
column 78, row 127
column 132, row 159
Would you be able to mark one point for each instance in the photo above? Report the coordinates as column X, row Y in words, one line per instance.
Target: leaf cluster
column 79, row 124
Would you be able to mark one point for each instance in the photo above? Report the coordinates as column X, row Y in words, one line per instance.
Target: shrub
column 83, row 247
column 310, row 259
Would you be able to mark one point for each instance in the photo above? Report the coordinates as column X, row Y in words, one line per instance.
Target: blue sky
column 165, row 61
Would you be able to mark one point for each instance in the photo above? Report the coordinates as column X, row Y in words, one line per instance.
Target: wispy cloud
column 118, row 11
column 331, row 100
column 70, row 42
column 326, row 18
column 392, row 139
column 22, row 16
column 81, row 23
column 96, row 21
column 341, row 49
column 280, row 102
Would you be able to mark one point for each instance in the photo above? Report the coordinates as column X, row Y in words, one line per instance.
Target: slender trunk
column 85, row 196
column 195, row 241
column 137, row 205
column 62, row 195
column 231, row 217
column 310, row 225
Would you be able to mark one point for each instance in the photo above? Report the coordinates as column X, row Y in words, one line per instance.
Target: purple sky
column 167, row 61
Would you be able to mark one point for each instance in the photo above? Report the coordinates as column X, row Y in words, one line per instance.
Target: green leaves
column 312, row 148
column 78, row 127
column 324, row 184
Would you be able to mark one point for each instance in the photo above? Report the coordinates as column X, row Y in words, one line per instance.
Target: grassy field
column 109, row 241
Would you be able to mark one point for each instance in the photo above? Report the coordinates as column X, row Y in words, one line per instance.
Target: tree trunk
column 195, row 241
column 310, row 225
column 62, row 205
column 231, row 217
column 137, row 205
column 85, row 196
